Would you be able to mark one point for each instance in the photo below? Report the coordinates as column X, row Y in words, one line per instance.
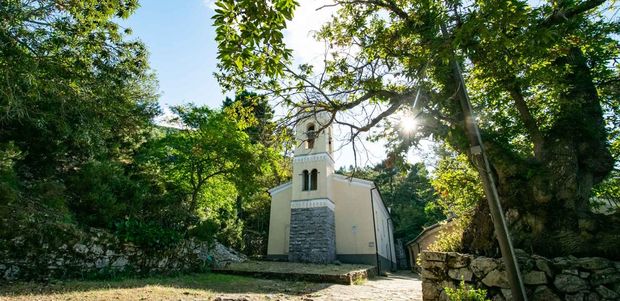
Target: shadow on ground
column 210, row 283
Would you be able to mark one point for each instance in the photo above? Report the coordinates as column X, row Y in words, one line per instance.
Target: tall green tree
column 211, row 147
column 542, row 79
column 73, row 86
column 253, row 203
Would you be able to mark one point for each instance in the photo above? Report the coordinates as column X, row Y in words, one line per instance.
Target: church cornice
column 313, row 203
column 313, row 157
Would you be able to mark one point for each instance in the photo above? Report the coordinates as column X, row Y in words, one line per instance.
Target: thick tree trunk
column 546, row 199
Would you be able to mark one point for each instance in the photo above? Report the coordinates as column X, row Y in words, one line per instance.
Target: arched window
column 313, row 179
column 305, row 181
column 310, row 133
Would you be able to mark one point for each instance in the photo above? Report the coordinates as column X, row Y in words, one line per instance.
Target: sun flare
column 408, row 124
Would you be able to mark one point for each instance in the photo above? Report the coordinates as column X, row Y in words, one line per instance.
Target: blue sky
column 181, row 42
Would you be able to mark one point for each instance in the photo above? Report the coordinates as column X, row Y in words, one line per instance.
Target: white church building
column 321, row 216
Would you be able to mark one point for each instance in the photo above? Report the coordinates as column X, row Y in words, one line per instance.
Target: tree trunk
column 546, row 200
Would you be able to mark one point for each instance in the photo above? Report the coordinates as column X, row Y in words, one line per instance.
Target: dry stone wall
column 562, row 278
column 100, row 254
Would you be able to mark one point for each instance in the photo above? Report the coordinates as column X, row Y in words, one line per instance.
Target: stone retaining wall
column 562, row 278
column 99, row 254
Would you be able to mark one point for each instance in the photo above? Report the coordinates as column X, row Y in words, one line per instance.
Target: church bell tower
column 312, row 227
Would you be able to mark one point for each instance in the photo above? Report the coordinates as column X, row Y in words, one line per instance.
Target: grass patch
column 191, row 286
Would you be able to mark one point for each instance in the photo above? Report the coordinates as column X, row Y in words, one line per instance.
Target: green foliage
column 449, row 239
column 73, row 87
column 149, row 235
column 102, row 194
column 541, row 77
column 9, row 182
column 465, row 293
column 256, row 46
column 457, row 185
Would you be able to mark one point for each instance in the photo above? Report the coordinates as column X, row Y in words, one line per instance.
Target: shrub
column 449, row 238
column 148, row 235
column 205, row 230
column 465, row 293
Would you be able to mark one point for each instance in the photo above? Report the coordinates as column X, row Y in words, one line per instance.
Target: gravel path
column 399, row 286
column 403, row 285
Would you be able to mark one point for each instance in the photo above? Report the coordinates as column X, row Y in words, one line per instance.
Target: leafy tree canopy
column 542, row 78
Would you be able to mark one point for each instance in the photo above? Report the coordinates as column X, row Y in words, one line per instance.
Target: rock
column 507, row 294
column 460, row 274
column 11, row 272
column 428, row 274
column 101, row 263
column 535, row 277
column 574, row 297
column 543, row 293
column 584, row 275
column 96, row 249
column 433, row 256
column 120, row 262
column 593, row 263
column 606, row 276
column 569, row 283
column 593, row 297
column 483, row 265
column 544, row 265
column 221, row 254
column 571, row 272
column 429, row 265
column 496, row 278
column 607, row 293
column 80, row 248
column 563, row 262
column 456, row 260
column 429, row 291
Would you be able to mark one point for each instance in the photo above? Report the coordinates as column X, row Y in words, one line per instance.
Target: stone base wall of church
column 312, row 235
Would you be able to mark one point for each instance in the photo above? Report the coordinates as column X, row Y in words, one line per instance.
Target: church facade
column 320, row 216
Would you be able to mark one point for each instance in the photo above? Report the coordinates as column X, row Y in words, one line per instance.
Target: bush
column 465, row 293
column 205, row 230
column 449, row 238
column 148, row 235
column 9, row 183
column 102, row 194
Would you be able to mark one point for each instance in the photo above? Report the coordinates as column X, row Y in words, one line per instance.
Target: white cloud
column 307, row 20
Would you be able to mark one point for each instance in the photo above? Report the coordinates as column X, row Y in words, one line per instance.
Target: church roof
column 280, row 187
column 362, row 182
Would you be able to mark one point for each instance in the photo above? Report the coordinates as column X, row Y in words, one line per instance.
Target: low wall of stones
column 97, row 253
column 562, row 278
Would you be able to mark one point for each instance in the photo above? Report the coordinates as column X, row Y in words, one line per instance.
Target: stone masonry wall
column 97, row 253
column 312, row 235
column 562, row 278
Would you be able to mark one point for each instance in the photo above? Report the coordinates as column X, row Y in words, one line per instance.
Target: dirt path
column 399, row 286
